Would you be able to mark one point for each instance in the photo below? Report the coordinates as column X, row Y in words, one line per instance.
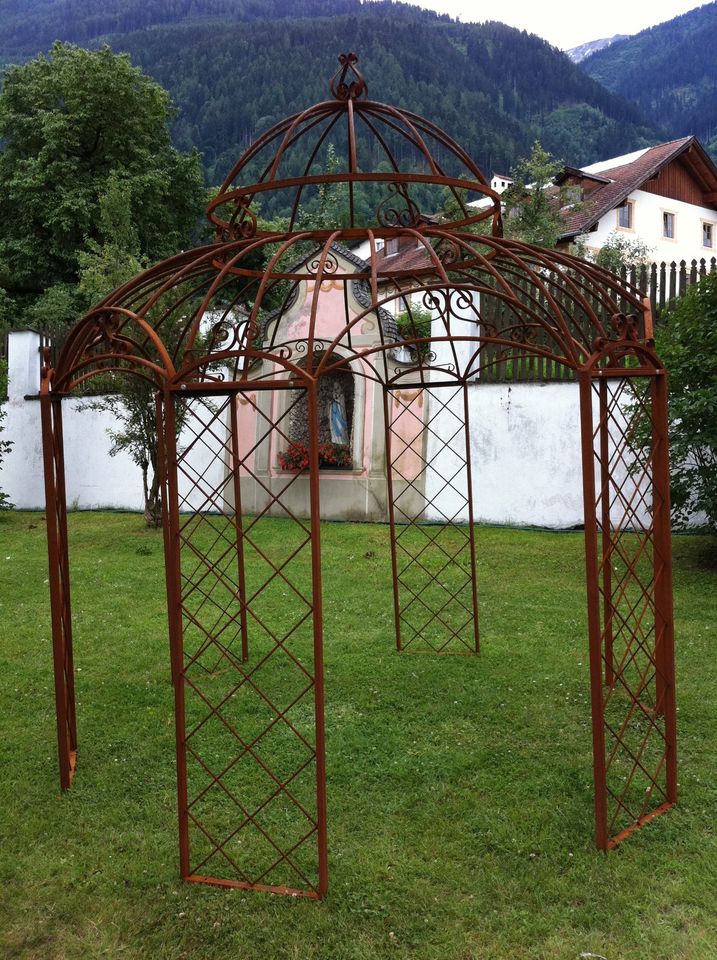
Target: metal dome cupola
column 392, row 169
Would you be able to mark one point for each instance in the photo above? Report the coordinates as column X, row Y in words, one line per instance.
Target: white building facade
column 665, row 197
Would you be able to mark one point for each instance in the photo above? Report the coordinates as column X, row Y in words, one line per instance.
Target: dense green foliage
column 69, row 124
column 670, row 71
column 687, row 343
column 531, row 204
column 620, row 251
column 233, row 71
column 460, row 788
column 31, row 24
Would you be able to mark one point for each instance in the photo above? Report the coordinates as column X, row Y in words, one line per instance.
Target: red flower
column 296, row 456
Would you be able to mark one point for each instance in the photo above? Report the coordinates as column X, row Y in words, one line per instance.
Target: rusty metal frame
column 203, row 579
column 629, row 579
column 434, row 566
column 199, row 330
column 59, row 578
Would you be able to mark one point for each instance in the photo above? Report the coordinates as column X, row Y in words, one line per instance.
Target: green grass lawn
column 460, row 788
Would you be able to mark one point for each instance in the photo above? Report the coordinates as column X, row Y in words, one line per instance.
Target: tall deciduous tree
column 104, row 266
column 69, row 122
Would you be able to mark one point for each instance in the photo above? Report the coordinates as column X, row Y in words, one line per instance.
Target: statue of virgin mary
column 339, row 425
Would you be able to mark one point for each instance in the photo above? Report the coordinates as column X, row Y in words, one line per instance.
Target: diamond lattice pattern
column 434, row 561
column 630, row 562
column 248, row 666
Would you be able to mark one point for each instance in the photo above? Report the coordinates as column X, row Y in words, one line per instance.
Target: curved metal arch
column 70, row 357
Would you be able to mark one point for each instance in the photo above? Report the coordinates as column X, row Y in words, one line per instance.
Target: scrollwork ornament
column 348, row 82
column 331, row 265
column 448, row 251
column 488, row 328
column 626, row 326
column 398, row 209
column 463, row 300
column 522, row 333
column 436, row 302
column 242, row 223
column 107, row 338
column 219, row 336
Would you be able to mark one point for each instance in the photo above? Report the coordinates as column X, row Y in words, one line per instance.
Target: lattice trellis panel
column 432, row 535
column 252, row 739
column 636, row 706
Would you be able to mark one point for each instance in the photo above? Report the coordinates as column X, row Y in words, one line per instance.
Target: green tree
column 620, row 251
column 69, row 123
column 687, row 342
column 105, row 265
column 532, row 203
column 330, row 209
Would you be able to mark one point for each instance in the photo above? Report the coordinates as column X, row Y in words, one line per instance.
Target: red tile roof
column 627, row 177
column 410, row 258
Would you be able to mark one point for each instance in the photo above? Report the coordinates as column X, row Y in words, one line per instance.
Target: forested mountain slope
column 670, row 71
column 235, row 66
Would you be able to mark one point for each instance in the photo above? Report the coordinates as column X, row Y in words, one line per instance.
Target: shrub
column 687, row 343
column 415, row 322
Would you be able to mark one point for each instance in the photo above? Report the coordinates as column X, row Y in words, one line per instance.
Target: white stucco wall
column 525, row 456
column 647, row 227
column 93, row 478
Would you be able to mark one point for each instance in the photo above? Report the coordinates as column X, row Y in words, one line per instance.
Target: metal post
column 318, row 638
column 238, row 523
column 593, row 599
column 662, row 560
column 59, row 578
column 175, row 627
column 605, row 489
column 471, row 530
column 162, row 467
column 391, row 516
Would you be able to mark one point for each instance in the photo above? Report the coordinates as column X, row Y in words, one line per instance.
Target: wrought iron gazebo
column 230, row 340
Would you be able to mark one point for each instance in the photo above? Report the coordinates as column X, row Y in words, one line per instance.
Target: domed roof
column 212, row 313
column 387, row 168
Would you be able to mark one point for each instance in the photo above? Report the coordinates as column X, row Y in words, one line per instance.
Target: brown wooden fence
column 663, row 282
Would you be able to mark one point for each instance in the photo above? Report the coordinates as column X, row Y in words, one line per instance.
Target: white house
column 665, row 196
column 500, row 182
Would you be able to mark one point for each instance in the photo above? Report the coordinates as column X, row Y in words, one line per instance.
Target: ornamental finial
column 348, row 82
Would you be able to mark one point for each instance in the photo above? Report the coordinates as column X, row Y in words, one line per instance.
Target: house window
column 707, row 235
column 392, row 247
column 668, row 225
column 625, row 218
